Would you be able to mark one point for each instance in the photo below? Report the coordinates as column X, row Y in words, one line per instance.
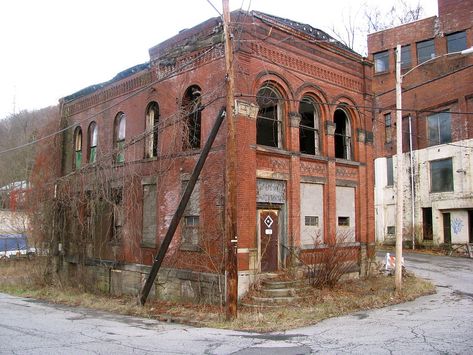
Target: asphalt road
column 440, row 323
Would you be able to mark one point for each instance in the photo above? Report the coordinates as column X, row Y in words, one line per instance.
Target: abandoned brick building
column 304, row 156
column 437, row 101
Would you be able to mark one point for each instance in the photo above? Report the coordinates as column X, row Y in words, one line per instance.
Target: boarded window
column 345, row 214
column 389, row 171
column 149, row 215
column 312, row 212
column 441, row 175
column 191, row 219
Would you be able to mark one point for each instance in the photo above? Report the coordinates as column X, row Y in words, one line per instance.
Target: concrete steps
column 274, row 293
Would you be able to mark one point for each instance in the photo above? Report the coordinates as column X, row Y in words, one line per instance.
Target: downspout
column 412, row 184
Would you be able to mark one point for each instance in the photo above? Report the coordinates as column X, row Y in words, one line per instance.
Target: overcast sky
column 52, row 48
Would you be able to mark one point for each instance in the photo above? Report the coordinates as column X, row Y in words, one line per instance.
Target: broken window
column 152, row 119
column 342, row 135
column 387, row 128
column 149, row 215
column 269, row 121
column 77, row 148
column 191, row 219
column 439, row 125
column 119, row 137
column 117, row 214
column 92, row 142
column 456, row 42
column 381, row 62
column 344, row 221
column 425, row 51
column 309, row 127
column 192, row 106
column 441, row 175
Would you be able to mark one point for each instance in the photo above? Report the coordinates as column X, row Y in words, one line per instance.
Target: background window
column 381, row 62
column 425, row 51
column 441, row 175
column 269, row 120
column 406, row 56
column 456, row 42
column 439, row 126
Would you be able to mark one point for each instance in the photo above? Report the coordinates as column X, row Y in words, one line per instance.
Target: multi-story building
column 437, row 126
column 304, row 156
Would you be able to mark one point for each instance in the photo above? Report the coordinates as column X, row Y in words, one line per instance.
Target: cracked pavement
column 440, row 323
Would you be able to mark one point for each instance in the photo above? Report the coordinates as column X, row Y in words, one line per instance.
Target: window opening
column 389, row 170
column 93, row 137
column 406, row 56
column 192, row 105
column 269, row 120
column 344, row 221
column 381, row 62
column 311, row 221
column 441, row 175
column 425, row 51
column 77, row 148
column 456, row 42
column 120, row 128
column 309, row 127
column 342, row 135
column 387, row 128
column 439, row 126
column 152, row 120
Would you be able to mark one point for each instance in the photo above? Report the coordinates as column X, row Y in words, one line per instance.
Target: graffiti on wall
column 457, row 225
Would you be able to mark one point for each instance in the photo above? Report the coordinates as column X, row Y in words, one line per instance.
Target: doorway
column 427, row 230
column 447, row 228
column 268, row 239
column 470, row 224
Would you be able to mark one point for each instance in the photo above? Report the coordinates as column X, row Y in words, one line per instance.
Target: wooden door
column 269, row 228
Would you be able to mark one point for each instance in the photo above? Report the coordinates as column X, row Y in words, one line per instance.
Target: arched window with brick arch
column 77, row 148
column 343, row 134
column 92, row 139
column 152, row 120
column 269, row 123
column 192, row 107
column 309, row 138
column 119, row 137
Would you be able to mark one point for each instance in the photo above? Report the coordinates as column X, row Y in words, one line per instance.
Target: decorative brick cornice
column 296, row 63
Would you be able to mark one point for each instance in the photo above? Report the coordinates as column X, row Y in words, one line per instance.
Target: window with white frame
column 77, row 147
column 381, row 62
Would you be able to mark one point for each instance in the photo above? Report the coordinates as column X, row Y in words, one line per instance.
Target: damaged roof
column 315, row 33
column 122, row 75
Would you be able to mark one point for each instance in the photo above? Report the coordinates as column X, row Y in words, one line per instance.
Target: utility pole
column 399, row 175
column 231, row 269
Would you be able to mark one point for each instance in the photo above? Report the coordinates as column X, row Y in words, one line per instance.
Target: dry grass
column 315, row 305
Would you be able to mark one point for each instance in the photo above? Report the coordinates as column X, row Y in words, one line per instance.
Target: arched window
column 152, row 119
column 77, row 147
column 119, row 137
column 192, row 107
column 309, row 127
column 269, row 128
column 92, row 142
column 342, row 135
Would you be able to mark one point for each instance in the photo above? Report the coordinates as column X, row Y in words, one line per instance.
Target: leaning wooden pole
column 231, row 269
column 180, row 209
